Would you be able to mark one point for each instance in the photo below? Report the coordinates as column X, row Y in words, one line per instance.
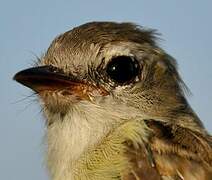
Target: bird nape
column 115, row 108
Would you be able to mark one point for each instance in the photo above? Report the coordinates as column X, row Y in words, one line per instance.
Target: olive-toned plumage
column 115, row 108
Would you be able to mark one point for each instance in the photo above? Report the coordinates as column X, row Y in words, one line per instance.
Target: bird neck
column 83, row 127
column 70, row 136
column 84, row 150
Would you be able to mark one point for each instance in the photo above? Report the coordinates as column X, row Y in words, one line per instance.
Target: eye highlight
column 122, row 69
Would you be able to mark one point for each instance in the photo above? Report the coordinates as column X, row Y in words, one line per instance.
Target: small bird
column 115, row 108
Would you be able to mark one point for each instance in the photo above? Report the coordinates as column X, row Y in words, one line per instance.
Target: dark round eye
column 122, row 69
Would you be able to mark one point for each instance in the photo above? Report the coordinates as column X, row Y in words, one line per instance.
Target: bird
column 115, row 107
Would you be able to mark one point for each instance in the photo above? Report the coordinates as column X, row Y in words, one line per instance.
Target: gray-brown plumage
column 116, row 109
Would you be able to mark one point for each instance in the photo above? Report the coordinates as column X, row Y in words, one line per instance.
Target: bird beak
column 44, row 78
column 49, row 78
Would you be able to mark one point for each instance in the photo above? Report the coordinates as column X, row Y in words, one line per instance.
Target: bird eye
column 122, row 69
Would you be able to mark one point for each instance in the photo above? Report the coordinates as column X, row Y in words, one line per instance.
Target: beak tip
column 18, row 76
column 15, row 77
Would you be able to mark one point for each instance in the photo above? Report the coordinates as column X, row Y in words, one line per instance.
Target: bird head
column 110, row 68
column 104, row 85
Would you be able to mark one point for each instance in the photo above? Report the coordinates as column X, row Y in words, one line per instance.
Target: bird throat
column 70, row 136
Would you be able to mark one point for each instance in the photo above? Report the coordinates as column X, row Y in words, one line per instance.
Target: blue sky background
column 26, row 30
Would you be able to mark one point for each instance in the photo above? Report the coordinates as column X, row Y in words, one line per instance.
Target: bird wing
column 173, row 153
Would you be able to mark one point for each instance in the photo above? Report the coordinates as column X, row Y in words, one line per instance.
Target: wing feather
column 173, row 153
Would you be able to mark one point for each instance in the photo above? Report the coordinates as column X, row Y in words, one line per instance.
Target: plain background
column 26, row 30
